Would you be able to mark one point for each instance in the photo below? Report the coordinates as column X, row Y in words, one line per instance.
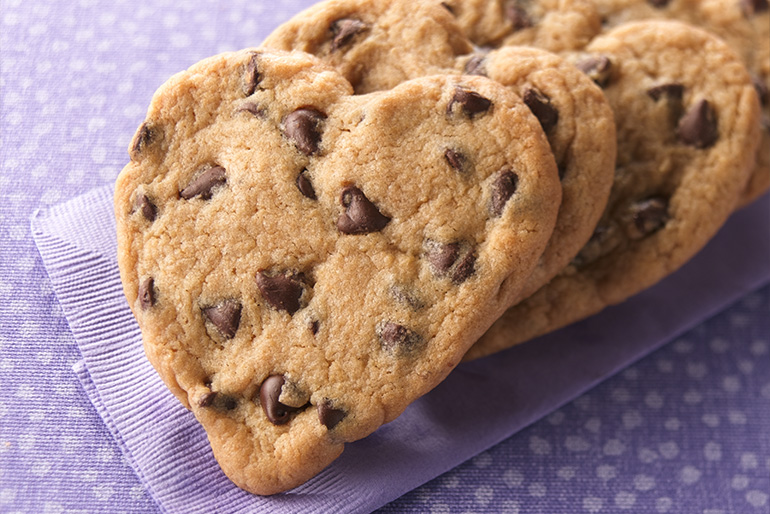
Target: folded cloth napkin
column 480, row 404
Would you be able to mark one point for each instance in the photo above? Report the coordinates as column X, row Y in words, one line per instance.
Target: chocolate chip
column 269, row 394
column 402, row 295
column 397, row 338
column 251, row 75
column 207, row 400
column 476, row 65
column 751, row 7
column 314, row 325
column 648, row 216
column 253, row 108
column 698, row 127
column 669, row 91
column 442, row 256
column 343, row 31
column 226, row 316
column 659, row 3
column 282, row 291
column 144, row 205
column 464, row 268
column 541, row 107
column 470, row 102
column 147, row 293
column 456, row 160
column 518, row 17
column 303, row 127
column 305, row 186
column 598, row 68
column 503, row 189
column 329, row 416
column 762, row 91
column 203, row 185
column 449, row 8
column 142, row 139
column 361, row 216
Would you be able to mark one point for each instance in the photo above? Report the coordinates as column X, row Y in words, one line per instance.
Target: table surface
column 683, row 430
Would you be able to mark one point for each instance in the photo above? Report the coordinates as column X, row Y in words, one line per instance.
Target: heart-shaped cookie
column 304, row 263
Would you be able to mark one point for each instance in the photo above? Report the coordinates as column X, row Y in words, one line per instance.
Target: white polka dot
column 180, row 40
column 592, row 504
column 749, row 461
column 632, row 419
column 7, row 496
column 696, row 370
column 644, row 482
column 756, row 498
column 625, row 500
column 746, row 367
column 621, row 395
column 631, row 374
column 484, row 494
column 613, row 448
column 40, row 468
column 510, row 507
column 690, row 475
column 584, row 402
column 566, row 472
column 606, row 472
column 647, row 456
column 713, row 511
column 736, row 417
column 731, row 384
column 740, row 320
column 712, row 451
column 576, row 444
column 668, row 450
column 25, row 391
column 765, row 391
column 513, row 478
column 665, row 366
column 692, row 397
column 52, row 508
column 593, row 425
column 440, row 508
column 539, row 446
column 663, row 504
column 537, row 490
column 719, row 345
column 556, row 418
column 450, row 482
column 739, row 482
column 682, row 346
column 482, row 460
column 672, row 424
column 95, row 124
column 759, row 348
column 102, row 492
column 653, row 400
column 710, row 420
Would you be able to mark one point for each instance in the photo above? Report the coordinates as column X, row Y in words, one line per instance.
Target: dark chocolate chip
column 253, row 108
column 282, row 291
column 752, row 7
column 205, row 183
column 442, row 256
column 698, row 127
column 476, row 65
column 329, row 416
column 314, row 325
column 449, row 8
column 541, row 107
column 142, row 139
column 251, row 75
column 659, row 3
column 503, row 189
column 518, row 17
column 226, row 402
column 404, row 296
column 397, row 338
column 361, row 216
column 762, row 90
column 305, row 186
column 470, row 102
column 669, row 91
column 649, row 215
column 344, row 30
column 147, row 293
column 144, row 205
column 597, row 67
column 464, row 268
column 207, row 400
column 269, row 394
column 226, row 316
column 303, row 127
column 456, row 160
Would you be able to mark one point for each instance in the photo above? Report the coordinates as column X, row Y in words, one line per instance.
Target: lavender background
column 684, row 430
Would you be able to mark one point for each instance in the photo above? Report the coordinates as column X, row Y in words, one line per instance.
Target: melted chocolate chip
column 456, row 160
column 251, row 76
column 698, row 127
column 442, row 256
column 142, row 139
column 314, row 325
column 541, row 107
column 503, row 189
column 518, row 17
column 329, row 416
column 397, row 338
column 404, row 296
column 344, row 30
column 226, row 317
column 659, row 3
column 205, row 183
column 463, row 269
column 144, row 205
column 207, row 400
column 147, row 293
column 470, row 102
column 305, row 186
column 476, row 65
column 762, row 90
column 282, row 291
column 649, row 215
column 448, row 8
column 752, row 7
column 597, row 67
column 269, row 394
column 303, row 127
column 669, row 91
column 361, row 216
column 254, row 109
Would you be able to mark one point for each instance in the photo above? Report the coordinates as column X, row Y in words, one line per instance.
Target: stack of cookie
column 313, row 233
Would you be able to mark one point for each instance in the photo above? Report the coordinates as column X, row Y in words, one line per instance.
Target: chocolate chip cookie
column 304, row 262
column 687, row 128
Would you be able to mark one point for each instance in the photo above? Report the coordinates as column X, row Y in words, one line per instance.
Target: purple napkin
column 480, row 404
